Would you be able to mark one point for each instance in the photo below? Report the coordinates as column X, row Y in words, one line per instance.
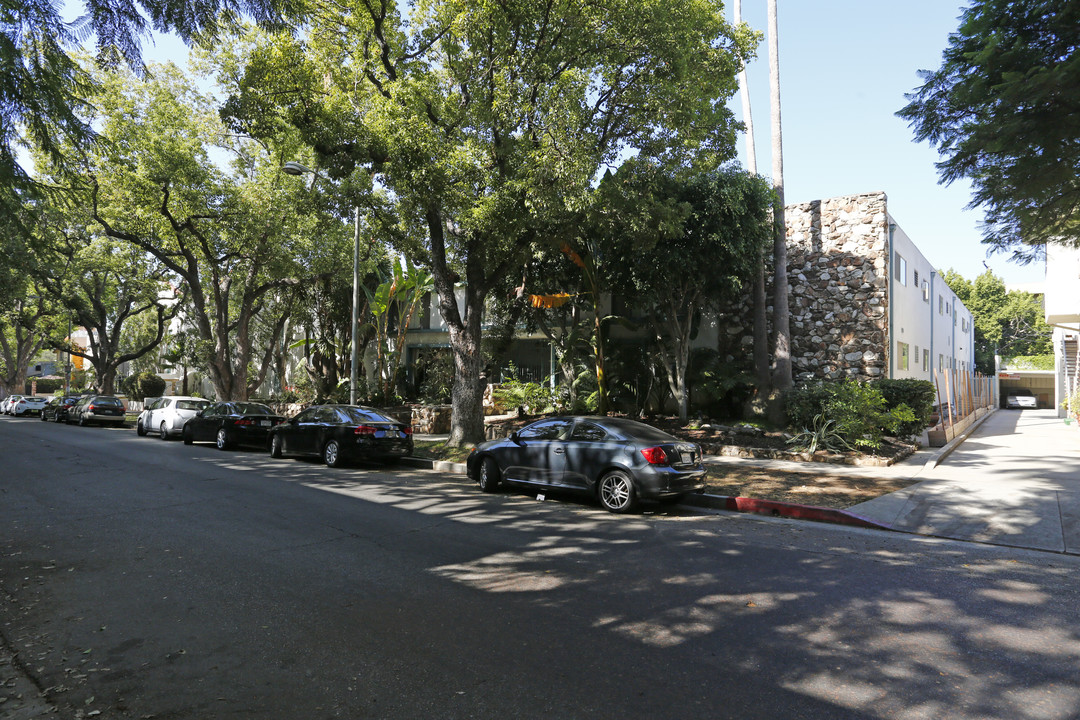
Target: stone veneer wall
column 838, row 291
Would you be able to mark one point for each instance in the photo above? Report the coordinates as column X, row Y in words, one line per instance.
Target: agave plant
column 821, row 436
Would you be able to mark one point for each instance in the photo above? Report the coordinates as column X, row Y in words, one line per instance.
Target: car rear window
column 107, row 401
column 638, row 431
column 362, row 415
column 191, row 404
column 252, row 409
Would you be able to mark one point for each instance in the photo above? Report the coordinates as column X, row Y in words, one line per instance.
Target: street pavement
column 142, row 578
column 1014, row 481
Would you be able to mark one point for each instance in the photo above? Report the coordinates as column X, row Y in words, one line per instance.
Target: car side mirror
column 515, row 438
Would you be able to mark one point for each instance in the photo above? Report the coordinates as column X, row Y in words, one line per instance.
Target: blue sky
column 844, row 68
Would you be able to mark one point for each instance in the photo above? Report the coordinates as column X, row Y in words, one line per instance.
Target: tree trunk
column 467, row 394
column 761, row 325
column 781, row 378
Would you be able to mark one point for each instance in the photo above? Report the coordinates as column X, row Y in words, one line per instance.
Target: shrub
column 822, row 434
column 908, row 397
column 857, row 410
column 141, row 386
column 531, row 397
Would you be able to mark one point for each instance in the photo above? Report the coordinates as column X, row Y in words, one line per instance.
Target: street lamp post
column 295, row 168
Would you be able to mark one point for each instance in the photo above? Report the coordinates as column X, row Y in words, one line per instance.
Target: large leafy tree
column 1007, row 323
column 488, row 121
column 704, row 262
column 239, row 241
column 104, row 286
column 45, row 91
column 1002, row 110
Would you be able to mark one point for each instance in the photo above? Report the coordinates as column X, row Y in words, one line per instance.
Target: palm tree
column 761, row 338
column 781, row 315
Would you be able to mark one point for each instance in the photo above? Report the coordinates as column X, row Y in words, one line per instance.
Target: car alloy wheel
column 222, row 439
column 163, row 433
column 186, row 433
column 332, row 454
column 41, row 417
column 275, row 447
column 616, row 492
column 139, row 429
column 82, row 421
column 489, row 475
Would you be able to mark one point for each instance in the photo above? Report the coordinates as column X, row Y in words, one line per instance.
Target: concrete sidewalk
column 1014, row 481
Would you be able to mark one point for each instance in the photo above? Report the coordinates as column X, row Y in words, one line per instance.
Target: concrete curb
column 958, row 440
column 776, row 508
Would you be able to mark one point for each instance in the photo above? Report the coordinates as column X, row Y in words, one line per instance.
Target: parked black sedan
column 232, row 423
column 617, row 460
column 339, row 433
column 58, row 406
column 100, row 409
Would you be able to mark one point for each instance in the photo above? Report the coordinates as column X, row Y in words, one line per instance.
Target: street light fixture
column 295, row 168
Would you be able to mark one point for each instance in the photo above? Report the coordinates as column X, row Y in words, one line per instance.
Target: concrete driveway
column 1015, row 481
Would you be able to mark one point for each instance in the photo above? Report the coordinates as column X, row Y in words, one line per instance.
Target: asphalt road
column 147, row 579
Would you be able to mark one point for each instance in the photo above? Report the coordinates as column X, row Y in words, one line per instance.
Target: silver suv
column 166, row 415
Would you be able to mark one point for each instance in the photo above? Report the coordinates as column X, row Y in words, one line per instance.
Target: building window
column 940, row 305
column 901, row 355
column 926, row 360
column 915, row 278
column 948, row 309
column 901, row 269
column 940, row 361
column 925, row 291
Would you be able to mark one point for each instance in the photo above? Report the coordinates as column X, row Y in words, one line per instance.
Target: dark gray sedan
column 617, row 460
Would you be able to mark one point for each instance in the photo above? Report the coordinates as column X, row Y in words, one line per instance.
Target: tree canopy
column 489, row 122
column 1004, row 112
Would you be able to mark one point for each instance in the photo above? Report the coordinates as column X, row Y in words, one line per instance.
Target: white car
column 28, row 405
column 8, row 403
column 1021, row 399
column 166, row 415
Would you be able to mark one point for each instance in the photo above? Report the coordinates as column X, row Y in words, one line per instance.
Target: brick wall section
column 837, row 270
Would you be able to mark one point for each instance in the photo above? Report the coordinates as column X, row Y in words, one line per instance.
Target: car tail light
column 655, row 455
column 244, row 421
column 364, row 430
column 90, row 407
column 407, row 430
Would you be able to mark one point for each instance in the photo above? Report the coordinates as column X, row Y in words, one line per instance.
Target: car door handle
column 559, row 451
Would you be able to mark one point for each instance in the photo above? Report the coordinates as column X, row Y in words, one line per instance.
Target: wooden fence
column 962, row 398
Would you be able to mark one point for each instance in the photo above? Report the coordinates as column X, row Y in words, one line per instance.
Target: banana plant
column 393, row 305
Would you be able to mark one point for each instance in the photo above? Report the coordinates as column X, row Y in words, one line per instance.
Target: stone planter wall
column 838, row 291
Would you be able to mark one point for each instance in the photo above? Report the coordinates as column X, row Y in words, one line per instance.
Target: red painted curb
column 776, row 508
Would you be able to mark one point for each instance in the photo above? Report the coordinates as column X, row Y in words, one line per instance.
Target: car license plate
column 264, row 423
column 391, row 433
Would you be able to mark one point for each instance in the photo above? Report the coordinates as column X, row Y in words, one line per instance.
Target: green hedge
column 861, row 413
column 916, row 394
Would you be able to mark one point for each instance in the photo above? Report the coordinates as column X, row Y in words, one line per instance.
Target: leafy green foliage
column 904, row 396
column 143, row 385
column 1030, row 362
column 489, row 123
column 719, row 387
column 530, row 397
column 822, row 434
column 858, row 411
column 996, row 111
column 721, row 220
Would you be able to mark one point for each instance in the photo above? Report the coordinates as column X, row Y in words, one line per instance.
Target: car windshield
column 363, row 415
column 253, row 409
column 191, row 404
column 1023, row 392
